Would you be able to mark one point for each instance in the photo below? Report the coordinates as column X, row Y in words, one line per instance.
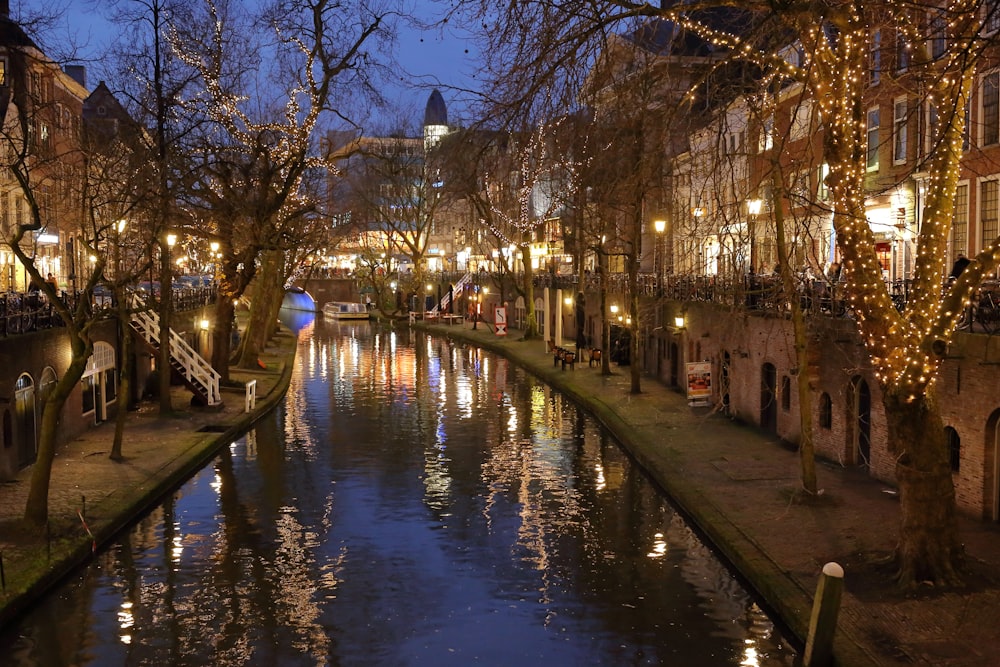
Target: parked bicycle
column 983, row 312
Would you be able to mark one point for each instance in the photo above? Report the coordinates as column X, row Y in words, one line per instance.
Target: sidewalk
column 160, row 452
column 738, row 486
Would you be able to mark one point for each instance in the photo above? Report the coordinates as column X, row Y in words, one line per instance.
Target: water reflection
column 414, row 502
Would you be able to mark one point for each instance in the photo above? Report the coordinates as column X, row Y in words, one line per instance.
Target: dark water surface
column 414, row 502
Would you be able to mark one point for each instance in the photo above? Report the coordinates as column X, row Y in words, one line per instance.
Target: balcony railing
column 24, row 312
column 766, row 294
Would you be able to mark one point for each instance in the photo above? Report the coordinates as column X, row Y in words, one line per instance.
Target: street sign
column 500, row 319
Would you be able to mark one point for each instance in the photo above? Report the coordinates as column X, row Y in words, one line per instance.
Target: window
column 938, row 29
column 3, row 71
column 954, row 447
column 875, row 57
column 960, row 224
column 825, row 411
column 990, row 120
column 800, row 121
column 899, row 131
column 767, row 134
column 902, row 51
column 988, row 211
column 873, row 123
column 799, row 187
column 822, row 190
column 991, row 22
column 929, row 128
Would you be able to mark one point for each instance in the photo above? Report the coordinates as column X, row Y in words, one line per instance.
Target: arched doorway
column 991, row 478
column 860, row 419
column 24, row 421
column 769, row 398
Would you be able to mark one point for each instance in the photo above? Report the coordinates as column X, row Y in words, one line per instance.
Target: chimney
column 77, row 72
column 5, row 9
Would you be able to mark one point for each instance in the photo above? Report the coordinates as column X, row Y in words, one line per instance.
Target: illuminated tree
column 927, row 50
column 318, row 54
column 518, row 184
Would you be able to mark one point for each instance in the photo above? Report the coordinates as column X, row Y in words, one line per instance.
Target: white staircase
column 197, row 373
column 455, row 291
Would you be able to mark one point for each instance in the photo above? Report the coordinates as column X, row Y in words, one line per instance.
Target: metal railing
column 24, row 312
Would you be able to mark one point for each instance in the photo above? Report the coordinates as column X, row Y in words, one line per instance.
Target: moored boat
column 345, row 310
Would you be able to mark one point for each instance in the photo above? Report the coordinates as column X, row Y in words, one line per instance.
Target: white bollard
column 823, row 622
column 251, row 397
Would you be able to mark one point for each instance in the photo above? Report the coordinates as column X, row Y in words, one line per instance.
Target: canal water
column 413, row 502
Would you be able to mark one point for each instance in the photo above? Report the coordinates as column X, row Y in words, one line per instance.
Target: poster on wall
column 699, row 383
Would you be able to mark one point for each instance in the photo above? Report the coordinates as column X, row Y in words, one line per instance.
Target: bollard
column 250, row 400
column 823, row 621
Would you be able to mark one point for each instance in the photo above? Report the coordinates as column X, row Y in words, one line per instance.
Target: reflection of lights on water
column 750, row 657
column 177, row 547
column 659, row 547
column 601, row 482
column 216, row 483
column 512, row 421
column 125, row 621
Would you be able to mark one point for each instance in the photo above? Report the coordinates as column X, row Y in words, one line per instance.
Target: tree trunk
column 928, row 548
column 222, row 335
column 260, row 326
column 807, row 459
column 602, row 274
column 163, row 358
column 36, row 509
column 124, row 378
column 530, row 316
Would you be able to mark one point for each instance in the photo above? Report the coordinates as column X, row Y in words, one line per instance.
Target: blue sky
column 430, row 57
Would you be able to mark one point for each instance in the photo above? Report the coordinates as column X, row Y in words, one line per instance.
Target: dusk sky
column 431, row 57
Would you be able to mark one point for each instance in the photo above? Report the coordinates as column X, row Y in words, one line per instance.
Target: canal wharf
column 741, row 488
column 738, row 486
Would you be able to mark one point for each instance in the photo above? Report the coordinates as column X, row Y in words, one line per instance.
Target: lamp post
column 163, row 359
column 753, row 210
column 214, row 247
column 659, row 226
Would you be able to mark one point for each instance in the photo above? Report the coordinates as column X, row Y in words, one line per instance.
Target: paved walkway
column 736, row 484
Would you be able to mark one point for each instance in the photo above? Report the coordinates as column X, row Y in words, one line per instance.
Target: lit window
column 873, row 126
column 991, row 108
column 899, row 132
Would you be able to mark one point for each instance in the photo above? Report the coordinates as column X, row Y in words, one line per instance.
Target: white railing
column 455, row 291
column 193, row 366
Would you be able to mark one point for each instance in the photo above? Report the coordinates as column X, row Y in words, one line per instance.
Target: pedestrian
column 959, row 266
column 51, row 280
column 833, row 272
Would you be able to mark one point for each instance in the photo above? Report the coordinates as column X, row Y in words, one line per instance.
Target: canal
column 413, row 502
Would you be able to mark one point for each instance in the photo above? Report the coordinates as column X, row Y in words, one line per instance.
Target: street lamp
column 753, row 209
column 659, row 226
